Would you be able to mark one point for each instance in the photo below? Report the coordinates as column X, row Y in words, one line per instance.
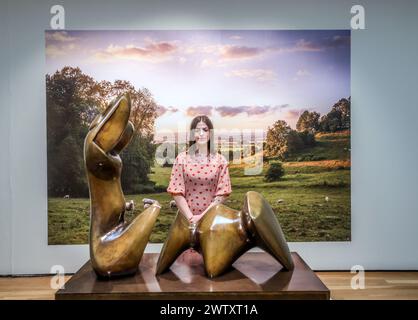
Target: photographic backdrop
column 279, row 101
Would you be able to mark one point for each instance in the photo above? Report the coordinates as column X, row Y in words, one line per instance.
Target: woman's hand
column 217, row 200
column 183, row 206
column 195, row 218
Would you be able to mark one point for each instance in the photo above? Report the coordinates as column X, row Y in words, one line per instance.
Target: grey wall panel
column 384, row 113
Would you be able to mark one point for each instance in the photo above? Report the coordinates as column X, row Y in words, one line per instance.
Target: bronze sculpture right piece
column 224, row 234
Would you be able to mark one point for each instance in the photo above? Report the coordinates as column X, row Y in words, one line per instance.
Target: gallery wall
column 384, row 112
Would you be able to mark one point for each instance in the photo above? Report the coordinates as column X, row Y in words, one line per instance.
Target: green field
column 314, row 198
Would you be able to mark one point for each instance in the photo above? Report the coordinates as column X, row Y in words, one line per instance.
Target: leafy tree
column 70, row 180
column 308, row 121
column 338, row 118
column 71, row 104
column 136, row 165
column 283, row 142
column 276, row 140
column 275, row 172
column 143, row 106
column 294, row 142
column 308, row 138
column 73, row 100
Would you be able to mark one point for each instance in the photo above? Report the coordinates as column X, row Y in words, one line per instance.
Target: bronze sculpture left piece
column 116, row 247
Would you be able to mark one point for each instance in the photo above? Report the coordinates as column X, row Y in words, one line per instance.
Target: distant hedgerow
column 275, row 172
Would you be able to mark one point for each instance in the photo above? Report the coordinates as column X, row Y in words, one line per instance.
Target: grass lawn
column 314, row 198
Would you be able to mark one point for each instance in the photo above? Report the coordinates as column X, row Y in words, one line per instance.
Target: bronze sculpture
column 224, row 234
column 116, row 247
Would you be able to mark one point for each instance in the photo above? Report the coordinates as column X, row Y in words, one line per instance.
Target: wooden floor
column 378, row 285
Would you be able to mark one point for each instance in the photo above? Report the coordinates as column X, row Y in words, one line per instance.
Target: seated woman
column 199, row 183
column 200, row 176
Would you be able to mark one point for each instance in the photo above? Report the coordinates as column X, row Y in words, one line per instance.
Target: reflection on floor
column 378, row 285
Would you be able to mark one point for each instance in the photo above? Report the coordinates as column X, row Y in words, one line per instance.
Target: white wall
column 384, row 119
column 5, row 177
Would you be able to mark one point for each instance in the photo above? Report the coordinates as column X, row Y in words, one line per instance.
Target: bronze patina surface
column 224, row 234
column 255, row 275
column 116, row 247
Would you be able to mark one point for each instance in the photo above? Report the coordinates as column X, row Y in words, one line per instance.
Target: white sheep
column 173, row 204
column 130, row 206
column 148, row 201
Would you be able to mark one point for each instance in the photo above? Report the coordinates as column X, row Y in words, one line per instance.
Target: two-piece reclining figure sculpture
column 116, row 247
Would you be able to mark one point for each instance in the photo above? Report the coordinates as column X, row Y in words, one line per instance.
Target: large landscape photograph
column 279, row 101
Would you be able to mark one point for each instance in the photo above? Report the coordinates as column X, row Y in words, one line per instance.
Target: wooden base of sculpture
column 255, row 275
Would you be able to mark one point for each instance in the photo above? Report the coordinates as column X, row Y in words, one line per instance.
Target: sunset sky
column 241, row 79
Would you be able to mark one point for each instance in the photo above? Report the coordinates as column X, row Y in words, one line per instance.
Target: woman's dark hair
column 193, row 125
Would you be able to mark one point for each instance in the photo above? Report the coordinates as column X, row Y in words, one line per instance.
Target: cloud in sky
column 302, row 73
column 213, row 54
column 236, row 52
column 53, row 50
column 59, row 36
column 239, row 52
column 223, row 55
column 231, row 111
column 257, row 74
column 199, row 110
column 206, row 63
column 292, row 115
column 245, row 72
column 59, row 43
column 220, row 55
column 327, row 43
column 303, row 45
column 161, row 110
column 227, row 111
column 338, row 41
column 151, row 52
column 202, row 48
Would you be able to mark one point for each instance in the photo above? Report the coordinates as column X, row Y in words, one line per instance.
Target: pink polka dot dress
column 199, row 179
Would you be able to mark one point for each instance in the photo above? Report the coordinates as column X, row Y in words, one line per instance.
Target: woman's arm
column 215, row 201
column 218, row 200
column 183, row 206
column 177, row 187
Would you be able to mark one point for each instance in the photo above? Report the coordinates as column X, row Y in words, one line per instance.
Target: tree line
column 282, row 141
column 73, row 100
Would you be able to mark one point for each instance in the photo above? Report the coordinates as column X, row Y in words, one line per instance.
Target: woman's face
column 201, row 133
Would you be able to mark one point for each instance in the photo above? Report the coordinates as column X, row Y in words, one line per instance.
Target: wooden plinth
column 255, row 275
